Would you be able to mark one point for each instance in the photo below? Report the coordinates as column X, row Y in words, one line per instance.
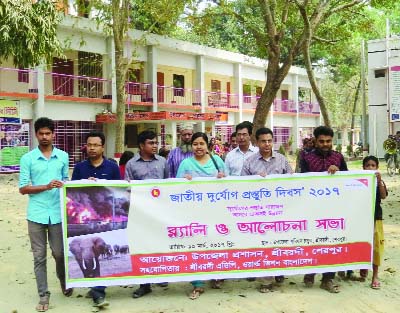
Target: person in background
column 202, row 164
column 164, row 152
column 308, row 146
column 42, row 172
column 235, row 159
column 234, row 142
column 182, row 152
column 96, row 166
column 146, row 165
column 125, row 157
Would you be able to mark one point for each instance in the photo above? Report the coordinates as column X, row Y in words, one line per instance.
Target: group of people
column 45, row 168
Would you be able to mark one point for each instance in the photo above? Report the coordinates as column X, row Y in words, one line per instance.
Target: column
column 152, row 74
column 239, row 89
column 113, row 77
column 295, row 98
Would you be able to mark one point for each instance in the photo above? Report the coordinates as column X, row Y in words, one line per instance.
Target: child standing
column 372, row 163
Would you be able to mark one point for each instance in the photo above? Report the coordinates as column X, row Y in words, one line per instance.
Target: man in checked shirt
column 266, row 162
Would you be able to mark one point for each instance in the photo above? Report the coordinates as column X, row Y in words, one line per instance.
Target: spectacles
column 94, row 145
column 152, row 143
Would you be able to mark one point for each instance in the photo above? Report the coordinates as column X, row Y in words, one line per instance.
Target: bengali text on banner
column 118, row 233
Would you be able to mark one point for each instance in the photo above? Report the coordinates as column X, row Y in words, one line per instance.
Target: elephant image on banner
column 86, row 252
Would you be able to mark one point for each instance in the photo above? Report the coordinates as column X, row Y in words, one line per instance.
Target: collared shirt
column 276, row 164
column 316, row 161
column 106, row 170
column 35, row 169
column 193, row 168
column 234, row 160
column 139, row 169
column 175, row 158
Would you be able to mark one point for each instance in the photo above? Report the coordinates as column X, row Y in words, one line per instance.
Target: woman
column 125, row 157
column 202, row 164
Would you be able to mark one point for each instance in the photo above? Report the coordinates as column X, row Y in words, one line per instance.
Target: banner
column 9, row 112
column 14, row 143
column 118, row 233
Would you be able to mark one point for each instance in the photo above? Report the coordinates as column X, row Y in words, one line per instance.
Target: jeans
column 38, row 234
column 98, row 292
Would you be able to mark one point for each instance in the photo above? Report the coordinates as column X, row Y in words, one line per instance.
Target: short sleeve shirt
column 35, row 169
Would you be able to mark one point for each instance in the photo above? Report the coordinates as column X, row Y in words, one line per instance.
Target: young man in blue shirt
column 42, row 172
column 96, row 167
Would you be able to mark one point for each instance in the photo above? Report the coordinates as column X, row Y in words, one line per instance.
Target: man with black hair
column 234, row 159
column 96, row 167
column 323, row 159
column 266, row 162
column 146, row 165
column 42, row 172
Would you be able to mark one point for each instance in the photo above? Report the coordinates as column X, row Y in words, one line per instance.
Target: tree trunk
column 120, row 26
column 313, row 82
column 356, row 96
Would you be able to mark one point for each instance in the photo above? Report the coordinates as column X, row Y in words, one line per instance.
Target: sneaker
column 140, row 292
column 100, row 303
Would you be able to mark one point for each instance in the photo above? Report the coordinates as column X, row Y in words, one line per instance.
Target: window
column 215, row 85
column 380, row 73
column 23, row 75
column 246, row 93
column 179, row 85
column 258, row 91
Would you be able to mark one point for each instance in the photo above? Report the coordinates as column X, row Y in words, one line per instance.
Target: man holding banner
column 96, row 167
column 266, row 162
column 42, row 172
column 322, row 159
column 146, row 165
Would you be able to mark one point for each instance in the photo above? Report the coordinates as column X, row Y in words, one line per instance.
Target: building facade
column 383, row 91
column 170, row 81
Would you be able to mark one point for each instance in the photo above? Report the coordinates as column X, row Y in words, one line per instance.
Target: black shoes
column 141, row 291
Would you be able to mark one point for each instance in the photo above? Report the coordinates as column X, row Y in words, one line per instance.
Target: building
column 171, row 81
column 383, row 91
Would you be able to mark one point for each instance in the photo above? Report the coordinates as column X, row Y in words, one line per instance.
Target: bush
column 339, row 148
column 349, row 150
column 282, row 150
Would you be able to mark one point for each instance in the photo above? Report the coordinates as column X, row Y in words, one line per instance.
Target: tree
column 28, row 31
column 118, row 17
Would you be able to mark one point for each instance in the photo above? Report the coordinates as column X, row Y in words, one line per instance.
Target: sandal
column 43, row 304
column 216, row 283
column 376, row 284
column 330, row 286
column 196, row 292
column 266, row 288
column 309, row 280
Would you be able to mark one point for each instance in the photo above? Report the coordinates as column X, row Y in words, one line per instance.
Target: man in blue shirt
column 96, row 167
column 42, row 172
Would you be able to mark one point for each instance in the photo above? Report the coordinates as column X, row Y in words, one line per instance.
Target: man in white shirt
column 234, row 159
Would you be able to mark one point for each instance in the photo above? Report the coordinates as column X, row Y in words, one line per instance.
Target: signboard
column 394, row 93
column 118, row 233
column 9, row 112
column 14, row 143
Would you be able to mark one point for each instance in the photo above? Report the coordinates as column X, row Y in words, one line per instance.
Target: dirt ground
column 18, row 288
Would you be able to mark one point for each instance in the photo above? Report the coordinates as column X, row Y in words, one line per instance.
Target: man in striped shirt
column 177, row 155
column 266, row 162
column 235, row 158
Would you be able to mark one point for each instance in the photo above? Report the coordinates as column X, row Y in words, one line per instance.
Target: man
column 146, row 165
column 235, row 159
column 42, row 172
column 266, row 162
column 177, row 155
column 234, row 143
column 322, row 159
column 96, row 167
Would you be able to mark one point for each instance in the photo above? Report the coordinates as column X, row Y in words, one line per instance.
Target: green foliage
column 339, row 148
column 282, row 150
column 28, row 31
column 349, row 150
